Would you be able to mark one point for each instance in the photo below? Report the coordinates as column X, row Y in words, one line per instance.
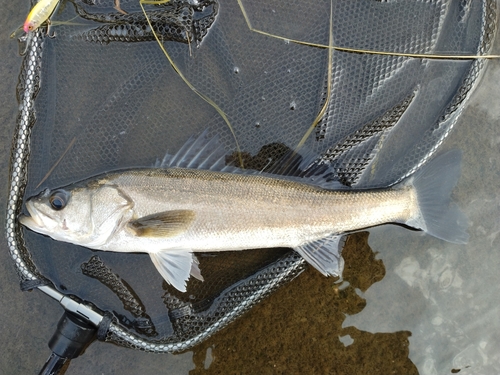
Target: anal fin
column 176, row 267
column 324, row 254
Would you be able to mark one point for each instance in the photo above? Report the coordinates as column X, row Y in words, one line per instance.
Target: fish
column 193, row 202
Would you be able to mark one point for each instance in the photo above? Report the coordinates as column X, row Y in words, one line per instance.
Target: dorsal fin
column 199, row 152
column 205, row 152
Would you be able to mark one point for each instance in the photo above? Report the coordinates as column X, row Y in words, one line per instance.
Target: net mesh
column 100, row 95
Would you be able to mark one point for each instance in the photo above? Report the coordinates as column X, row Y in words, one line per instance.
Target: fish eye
column 58, row 200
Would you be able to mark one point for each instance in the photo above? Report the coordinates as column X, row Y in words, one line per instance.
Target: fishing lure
column 39, row 14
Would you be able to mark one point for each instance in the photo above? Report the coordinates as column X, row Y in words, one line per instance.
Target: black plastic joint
column 72, row 336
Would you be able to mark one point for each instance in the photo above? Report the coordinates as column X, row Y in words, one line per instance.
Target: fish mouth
column 33, row 220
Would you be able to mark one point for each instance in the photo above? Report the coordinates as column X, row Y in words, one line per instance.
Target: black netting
column 176, row 21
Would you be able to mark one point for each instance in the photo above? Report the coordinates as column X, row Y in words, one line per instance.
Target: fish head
column 61, row 214
column 85, row 216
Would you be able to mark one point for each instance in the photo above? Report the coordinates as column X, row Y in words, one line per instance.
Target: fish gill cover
column 101, row 95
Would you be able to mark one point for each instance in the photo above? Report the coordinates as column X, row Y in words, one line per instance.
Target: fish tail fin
column 433, row 185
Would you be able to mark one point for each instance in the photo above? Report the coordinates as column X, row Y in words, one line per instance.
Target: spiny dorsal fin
column 324, row 254
column 199, row 152
column 204, row 152
column 163, row 224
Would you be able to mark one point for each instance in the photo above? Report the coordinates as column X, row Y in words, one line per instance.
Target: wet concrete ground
column 396, row 312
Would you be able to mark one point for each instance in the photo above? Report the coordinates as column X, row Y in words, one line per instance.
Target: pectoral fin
column 324, row 254
column 163, row 224
column 176, row 267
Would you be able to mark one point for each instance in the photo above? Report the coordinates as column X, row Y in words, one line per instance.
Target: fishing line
column 191, row 86
column 363, row 51
column 57, row 162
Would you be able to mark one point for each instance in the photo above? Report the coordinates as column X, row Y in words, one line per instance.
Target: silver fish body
column 171, row 213
column 236, row 212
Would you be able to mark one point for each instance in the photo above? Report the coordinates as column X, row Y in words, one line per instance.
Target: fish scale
column 269, row 211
